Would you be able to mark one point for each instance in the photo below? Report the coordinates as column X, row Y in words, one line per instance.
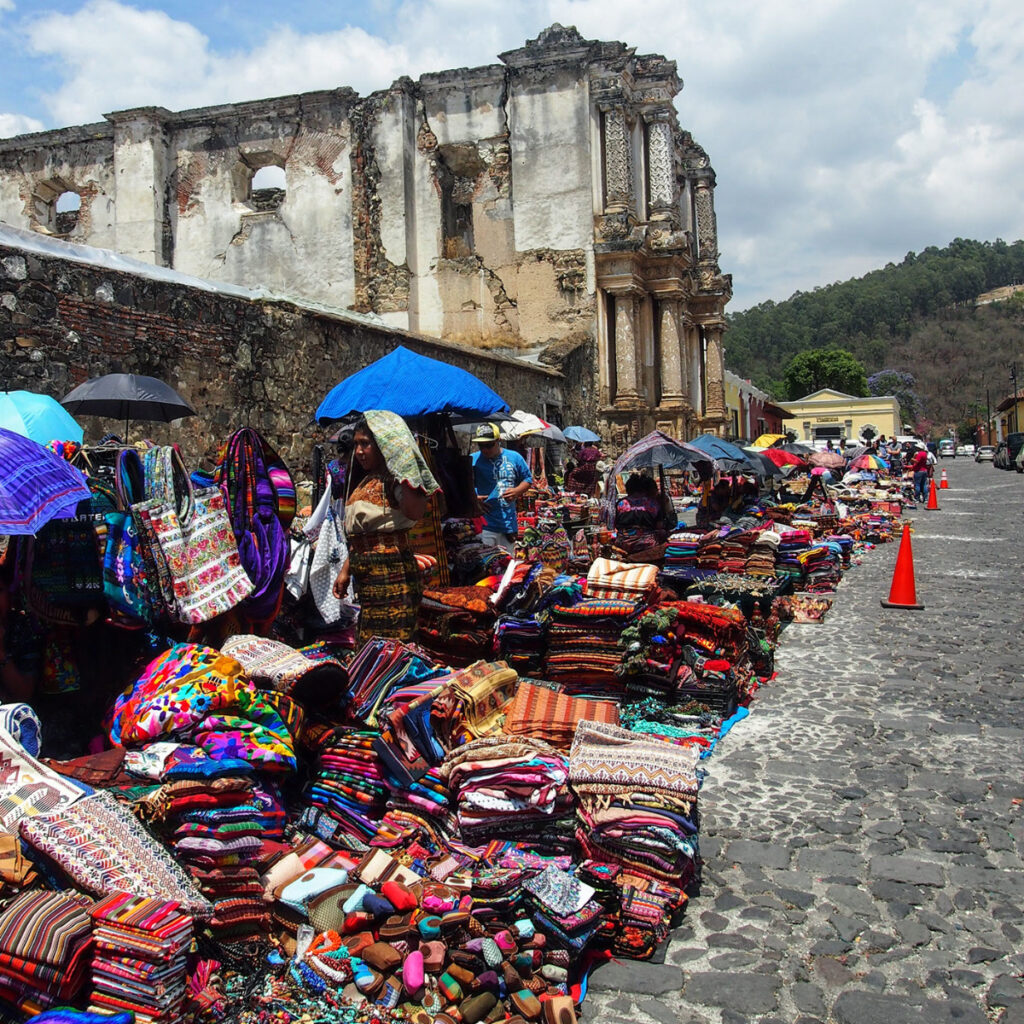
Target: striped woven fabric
column 546, row 713
column 610, row 580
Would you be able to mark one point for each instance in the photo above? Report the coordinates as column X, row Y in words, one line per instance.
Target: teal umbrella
column 38, row 417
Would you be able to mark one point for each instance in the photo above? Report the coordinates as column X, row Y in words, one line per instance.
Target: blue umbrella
column 726, row 454
column 35, row 485
column 38, row 417
column 411, row 385
column 580, row 434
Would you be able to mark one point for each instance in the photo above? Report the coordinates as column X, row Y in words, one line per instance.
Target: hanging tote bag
column 243, row 477
column 202, row 557
column 125, row 583
column 329, row 554
column 296, row 579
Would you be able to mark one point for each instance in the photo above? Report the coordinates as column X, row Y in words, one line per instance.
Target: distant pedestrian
column 920, row 469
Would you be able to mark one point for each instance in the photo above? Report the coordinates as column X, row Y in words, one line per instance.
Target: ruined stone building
column 544, row 205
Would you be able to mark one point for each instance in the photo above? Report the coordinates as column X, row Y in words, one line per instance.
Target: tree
column 825, row 368
column 902, row 386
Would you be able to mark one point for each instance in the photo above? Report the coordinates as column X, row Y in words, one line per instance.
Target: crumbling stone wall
column 511, row 206
column 238, row 362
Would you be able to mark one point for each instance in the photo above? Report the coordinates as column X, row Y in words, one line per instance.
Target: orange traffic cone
column 903, row 593
column 933, row 499
column 943, row 484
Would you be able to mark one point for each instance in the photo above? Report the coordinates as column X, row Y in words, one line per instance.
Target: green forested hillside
column 918, row 316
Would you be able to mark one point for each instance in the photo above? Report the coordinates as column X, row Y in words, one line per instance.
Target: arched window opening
column 268, row 188
column 66, row 209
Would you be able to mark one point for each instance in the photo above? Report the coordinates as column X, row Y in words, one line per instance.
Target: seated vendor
column 640, row 516
column 20, row 649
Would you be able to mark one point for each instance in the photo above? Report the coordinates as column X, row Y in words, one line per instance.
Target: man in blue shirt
column 499, row 477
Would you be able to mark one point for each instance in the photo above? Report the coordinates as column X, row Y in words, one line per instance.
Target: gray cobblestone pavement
column 863, row 828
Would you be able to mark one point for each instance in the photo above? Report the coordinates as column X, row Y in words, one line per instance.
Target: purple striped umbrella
column 35, row 485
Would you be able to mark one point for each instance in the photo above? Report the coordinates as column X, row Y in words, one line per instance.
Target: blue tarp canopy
column 411, row 385
column 728, row 456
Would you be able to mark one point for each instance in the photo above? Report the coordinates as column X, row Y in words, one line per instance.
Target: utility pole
column 988, row 417
column 1013, row 381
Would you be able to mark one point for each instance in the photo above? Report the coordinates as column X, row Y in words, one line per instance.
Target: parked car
column 961, row 449
column 984, row 453
column 999, row 459
column 1014, row 443
column 968, row 449
column 1018, row 463
column 947, row 450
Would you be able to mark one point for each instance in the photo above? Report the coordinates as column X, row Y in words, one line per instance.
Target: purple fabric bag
column 243, row 476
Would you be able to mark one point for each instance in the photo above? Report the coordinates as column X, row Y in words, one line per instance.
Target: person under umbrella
column 584, row 477
column 380, row 511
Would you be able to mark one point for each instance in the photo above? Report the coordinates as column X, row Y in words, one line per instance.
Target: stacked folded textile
column 543, row 712
column 608, row 580
column 44, row 947
column 407, row 746
column 420, row 812
column 710, row 551
column 104, row 849
column 761, row 556
column 845, row 543
column 736, row 547
column 382, row 666
column 822, row 568
column 681, row 552
column 138, row 964
column 510, row 788
column 637, row 801
column 564, row 907
column 521, row 641
column 456, row 624
column 349, row 787
column 218, row 832
column 794, row 542
column 583, row 639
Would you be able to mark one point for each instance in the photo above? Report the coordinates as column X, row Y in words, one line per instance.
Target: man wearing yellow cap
column 499, row 478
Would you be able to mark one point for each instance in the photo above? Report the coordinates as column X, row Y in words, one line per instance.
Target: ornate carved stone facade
column 549, row 203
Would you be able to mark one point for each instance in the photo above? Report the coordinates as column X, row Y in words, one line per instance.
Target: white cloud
column 834, row 150
column 6, row 5
column 18, row 124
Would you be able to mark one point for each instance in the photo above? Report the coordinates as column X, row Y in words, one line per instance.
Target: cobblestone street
column 863, row 827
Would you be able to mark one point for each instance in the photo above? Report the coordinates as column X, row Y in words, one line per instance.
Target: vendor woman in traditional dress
column 381, row 509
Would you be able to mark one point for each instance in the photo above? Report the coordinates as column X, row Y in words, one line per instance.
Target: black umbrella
column 795, row 448
column 128, row 396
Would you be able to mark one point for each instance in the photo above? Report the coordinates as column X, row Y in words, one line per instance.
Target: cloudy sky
column 843, row 132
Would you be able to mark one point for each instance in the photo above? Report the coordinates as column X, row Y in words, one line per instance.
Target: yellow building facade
column 828, row 415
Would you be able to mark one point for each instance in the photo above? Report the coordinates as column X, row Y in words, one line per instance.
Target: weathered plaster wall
column 518, row 206
column 34, row 174
column 267, row 364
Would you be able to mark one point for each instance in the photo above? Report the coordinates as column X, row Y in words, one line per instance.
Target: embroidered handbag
column 202, row 557
column 125, row 585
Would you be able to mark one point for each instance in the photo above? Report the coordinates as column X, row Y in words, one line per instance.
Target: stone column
column 663, row 193
column 707, row 228
column 673, row 372
column 618, row 161
column 627, row 394
column 714, row 371
column 140, row 168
